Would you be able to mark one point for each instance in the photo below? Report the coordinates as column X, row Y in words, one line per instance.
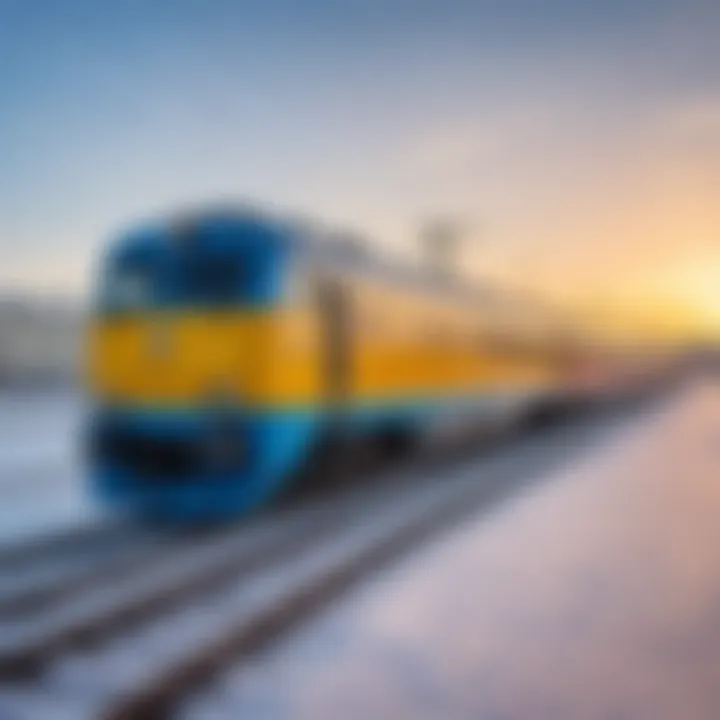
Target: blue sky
column 557, row 126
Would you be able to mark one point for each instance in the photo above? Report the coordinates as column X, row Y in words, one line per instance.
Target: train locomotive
column 225, row 347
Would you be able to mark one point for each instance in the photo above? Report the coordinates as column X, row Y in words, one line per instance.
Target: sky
column 577, row 143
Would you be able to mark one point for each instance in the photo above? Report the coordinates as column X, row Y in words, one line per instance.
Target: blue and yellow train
column 226, row 346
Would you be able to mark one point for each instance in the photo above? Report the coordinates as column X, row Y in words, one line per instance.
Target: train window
column 129, row 284
column 209, row 279
column 195, row 279
column 125, row 289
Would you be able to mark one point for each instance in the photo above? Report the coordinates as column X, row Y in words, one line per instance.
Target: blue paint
column 217, row 262
column 275, row 444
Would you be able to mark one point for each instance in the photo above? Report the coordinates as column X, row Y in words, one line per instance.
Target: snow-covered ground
column 595, row 596
column 41, row 478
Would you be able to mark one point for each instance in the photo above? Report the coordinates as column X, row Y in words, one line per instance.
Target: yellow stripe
column 274, row 358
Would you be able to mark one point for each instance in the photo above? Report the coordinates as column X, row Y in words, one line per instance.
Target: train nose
column 216, row 446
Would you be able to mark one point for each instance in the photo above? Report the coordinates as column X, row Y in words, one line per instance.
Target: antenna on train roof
column 440, row 241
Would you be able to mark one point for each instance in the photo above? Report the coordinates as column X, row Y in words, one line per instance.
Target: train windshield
column 183, row 279
column 209, row 279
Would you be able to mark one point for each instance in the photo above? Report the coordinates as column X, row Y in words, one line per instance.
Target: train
column 226, row 347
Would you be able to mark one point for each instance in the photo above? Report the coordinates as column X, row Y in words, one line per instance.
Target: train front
column 176, row 352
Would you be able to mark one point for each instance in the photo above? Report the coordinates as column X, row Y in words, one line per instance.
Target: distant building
column 39, row 340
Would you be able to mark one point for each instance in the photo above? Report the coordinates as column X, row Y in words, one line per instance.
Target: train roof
column 335, row 250
column 319, row 245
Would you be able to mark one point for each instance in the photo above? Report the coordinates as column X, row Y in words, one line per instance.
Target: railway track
column 54, row 547
column 139, row 624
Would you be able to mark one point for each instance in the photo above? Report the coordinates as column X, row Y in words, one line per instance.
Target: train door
column 335, row 347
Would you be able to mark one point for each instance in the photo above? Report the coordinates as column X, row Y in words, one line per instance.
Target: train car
column 225, row 347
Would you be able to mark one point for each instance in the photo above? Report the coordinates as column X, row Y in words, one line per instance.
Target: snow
column 593, row 596
column 41, row 478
